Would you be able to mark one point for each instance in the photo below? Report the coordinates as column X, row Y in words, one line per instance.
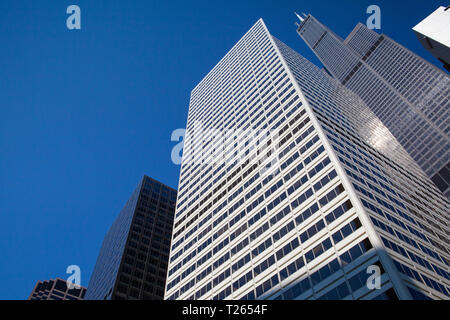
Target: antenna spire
column 299, row 17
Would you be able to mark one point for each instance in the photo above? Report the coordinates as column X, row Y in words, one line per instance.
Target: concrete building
column 292, row 188
column 434, row 34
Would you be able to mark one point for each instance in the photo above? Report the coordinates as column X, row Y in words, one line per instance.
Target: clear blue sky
column 84, row 114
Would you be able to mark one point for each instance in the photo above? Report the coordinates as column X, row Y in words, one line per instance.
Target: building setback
column 409, row 95
column 132, row 263
column 291, row 188
column 56, row 289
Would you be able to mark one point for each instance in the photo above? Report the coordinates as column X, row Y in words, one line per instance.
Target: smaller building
column 132, row 263
column 434, row 34
column 56, row 289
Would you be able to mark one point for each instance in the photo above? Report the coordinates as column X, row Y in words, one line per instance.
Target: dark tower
column 132, row 263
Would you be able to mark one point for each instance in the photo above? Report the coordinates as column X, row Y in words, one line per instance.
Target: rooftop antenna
column 299, row 17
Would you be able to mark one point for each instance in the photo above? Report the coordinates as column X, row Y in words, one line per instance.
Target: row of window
column 242, row 106
column 296, row 203
column 249, row 208
column 282, row 252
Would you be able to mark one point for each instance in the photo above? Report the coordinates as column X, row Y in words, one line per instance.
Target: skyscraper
column 132, row 263
column 56, row 289
column 433, row 33
column 409, row 95
column 290, row 188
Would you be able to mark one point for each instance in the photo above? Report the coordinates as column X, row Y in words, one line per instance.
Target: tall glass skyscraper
column 409, row 95
column 132, row 263
column 291, row 188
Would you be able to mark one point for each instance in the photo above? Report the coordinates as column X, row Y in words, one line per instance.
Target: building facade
column 132, row 263
column 409, row 95
column 56, row 289
column 433, row 33
column 292, row 188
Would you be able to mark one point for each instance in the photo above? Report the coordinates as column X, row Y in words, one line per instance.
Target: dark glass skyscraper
column 56, row 289
column 132, row 263
column 408, row 94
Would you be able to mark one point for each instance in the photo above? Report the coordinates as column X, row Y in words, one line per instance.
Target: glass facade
column 409, row 95
column 132, row 263
column 56, row 289
column 285, row 182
